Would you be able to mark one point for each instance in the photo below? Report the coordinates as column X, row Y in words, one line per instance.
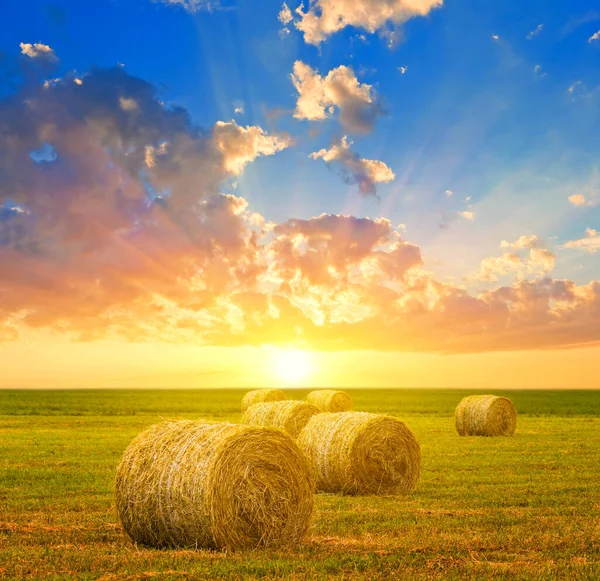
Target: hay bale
column 260, row 396
column 361, row 453
column 290, row 416
column 330, row 400
column 485, row 415
column 197, row 484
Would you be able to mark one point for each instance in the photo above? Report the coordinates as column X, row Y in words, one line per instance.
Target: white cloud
column 285, row 14
column 128, row 104
column 367, row 173
column 318, row 96
column 38, row 51
column 239, row 110
column 193, row 5
column 589, row 243
column 51, row 82
column 594, row 37
column 573, row 88
column 449, row 193
column 326, row 17
column 495, row 37
column 537, row 72
column 403, row 70
column 535, row 32
column 467, row 215
column 581, row 199
column 525, row 241
column 391, row 36
column 537, row 261
column 240, row 145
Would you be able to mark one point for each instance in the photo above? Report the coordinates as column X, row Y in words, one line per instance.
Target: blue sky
column 488, row 115
column 470, row 115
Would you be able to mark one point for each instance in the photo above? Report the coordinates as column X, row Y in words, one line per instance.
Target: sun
column 292, row 366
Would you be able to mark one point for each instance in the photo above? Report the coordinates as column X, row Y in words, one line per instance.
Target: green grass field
column 526, row 507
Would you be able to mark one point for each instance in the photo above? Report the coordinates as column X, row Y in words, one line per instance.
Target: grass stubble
column 526, row 507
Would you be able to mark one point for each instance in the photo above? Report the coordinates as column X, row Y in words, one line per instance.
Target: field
column 526, row 507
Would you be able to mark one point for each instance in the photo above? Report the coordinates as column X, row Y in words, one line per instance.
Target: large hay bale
column 290, row 416
column 197, row 484
column 260, row 396
column 330, row 400
column 485, row 415
column 361, row 453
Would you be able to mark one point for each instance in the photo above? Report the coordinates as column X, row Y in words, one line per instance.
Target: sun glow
column 292, row 366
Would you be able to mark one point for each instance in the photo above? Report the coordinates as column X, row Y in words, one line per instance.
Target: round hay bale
column 260, row 396
column 330, row 400
column 290, row 416
column 361, row 453
column 485, row 415
column 197, row 484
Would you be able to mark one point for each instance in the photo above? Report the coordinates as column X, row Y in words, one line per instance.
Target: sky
column 375, row 193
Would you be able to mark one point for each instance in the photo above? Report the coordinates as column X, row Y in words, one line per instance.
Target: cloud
column 128, row 104
column 525, row 241
column 574, row 87
column 193, row 6
column 585, row 199
column 392, row 37
column 578, row 91
column 285, row 14
column 537, row 261
column 589, row 243
column 467, row 215
column 537, row 72
column 39, row 52
column 367, row 173
column 116, row 229
column 326, row 17
column 535, row 32
column 318, row 97
column 594, row 37
column 239, row 110
column 126, row 207
column 495, row 37
column 242, row 145
column 449, row 193
column 403, row 70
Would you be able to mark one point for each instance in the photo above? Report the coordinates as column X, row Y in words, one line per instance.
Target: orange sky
column 137, row 250
column 57, row 364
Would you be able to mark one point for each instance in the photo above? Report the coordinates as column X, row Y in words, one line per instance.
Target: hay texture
column 290, row 416
column 329, row 400
column 361, row 453
column 261, row 396
column 485, row 415
column 197, row 484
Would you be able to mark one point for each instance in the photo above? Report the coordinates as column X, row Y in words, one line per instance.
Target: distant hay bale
column 197, row 484
column 361, row 453
column 485, row 415
column 261, row 396
column 290, row 416
column 330, row 400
